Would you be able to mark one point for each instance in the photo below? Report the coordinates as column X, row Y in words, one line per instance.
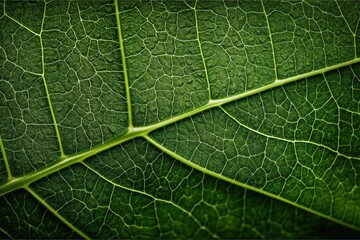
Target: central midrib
column 134, row 132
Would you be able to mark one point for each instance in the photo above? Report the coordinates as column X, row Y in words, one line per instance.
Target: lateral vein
column 58, row 215
column 246, row 186
column 6, row 161
column 123, row 60
column 25, row 180
column 62, row 154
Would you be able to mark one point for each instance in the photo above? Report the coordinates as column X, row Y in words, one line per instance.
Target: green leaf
column 179, row 119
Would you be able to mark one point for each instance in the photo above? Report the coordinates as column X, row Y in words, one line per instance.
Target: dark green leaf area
column 2, row 8
column 233, row 36
column 165, row 67
column 179, row 119
column 322, row 115
column 343, row 84
column 311, row 173
column 121, row 194
column 351, row 12
column 24, row 217
column 28, row 13
column 19, row 46
column 84, row 73
column 309, row 35
column 26, row 126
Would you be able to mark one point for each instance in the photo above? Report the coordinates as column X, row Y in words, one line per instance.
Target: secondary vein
column 56, row 213
column 62, row 154
column 271, row 40
column 23, row 181
column 201, row 51
column 123, row 60
column 7, row 166
column 246, row 186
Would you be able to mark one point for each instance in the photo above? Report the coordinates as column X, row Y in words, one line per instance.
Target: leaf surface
column 179, row 119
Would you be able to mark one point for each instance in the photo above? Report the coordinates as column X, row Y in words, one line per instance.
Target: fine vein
column 46, row 87
column 134, row 132
column 338, row 112
column 152, row 197
column 246, row 186
column 348, row 26
column 289, row 140
column 56, row 213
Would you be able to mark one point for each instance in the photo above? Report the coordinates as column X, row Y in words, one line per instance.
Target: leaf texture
column 179, row 119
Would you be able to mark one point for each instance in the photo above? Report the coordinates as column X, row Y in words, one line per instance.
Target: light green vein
column 287, row 140
column 271, row 40
column 338, row 112
column 23, row 26
column 347, row 24
column 123, row 60
column 201, row 50
column 62, row 154
column 230, row 180
column 222, row 101
column 7, row 165
column 56, row 213
column 26, row 180
column 6, row 233
column 23, row 181
column 152, row 197
column 19, row 23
